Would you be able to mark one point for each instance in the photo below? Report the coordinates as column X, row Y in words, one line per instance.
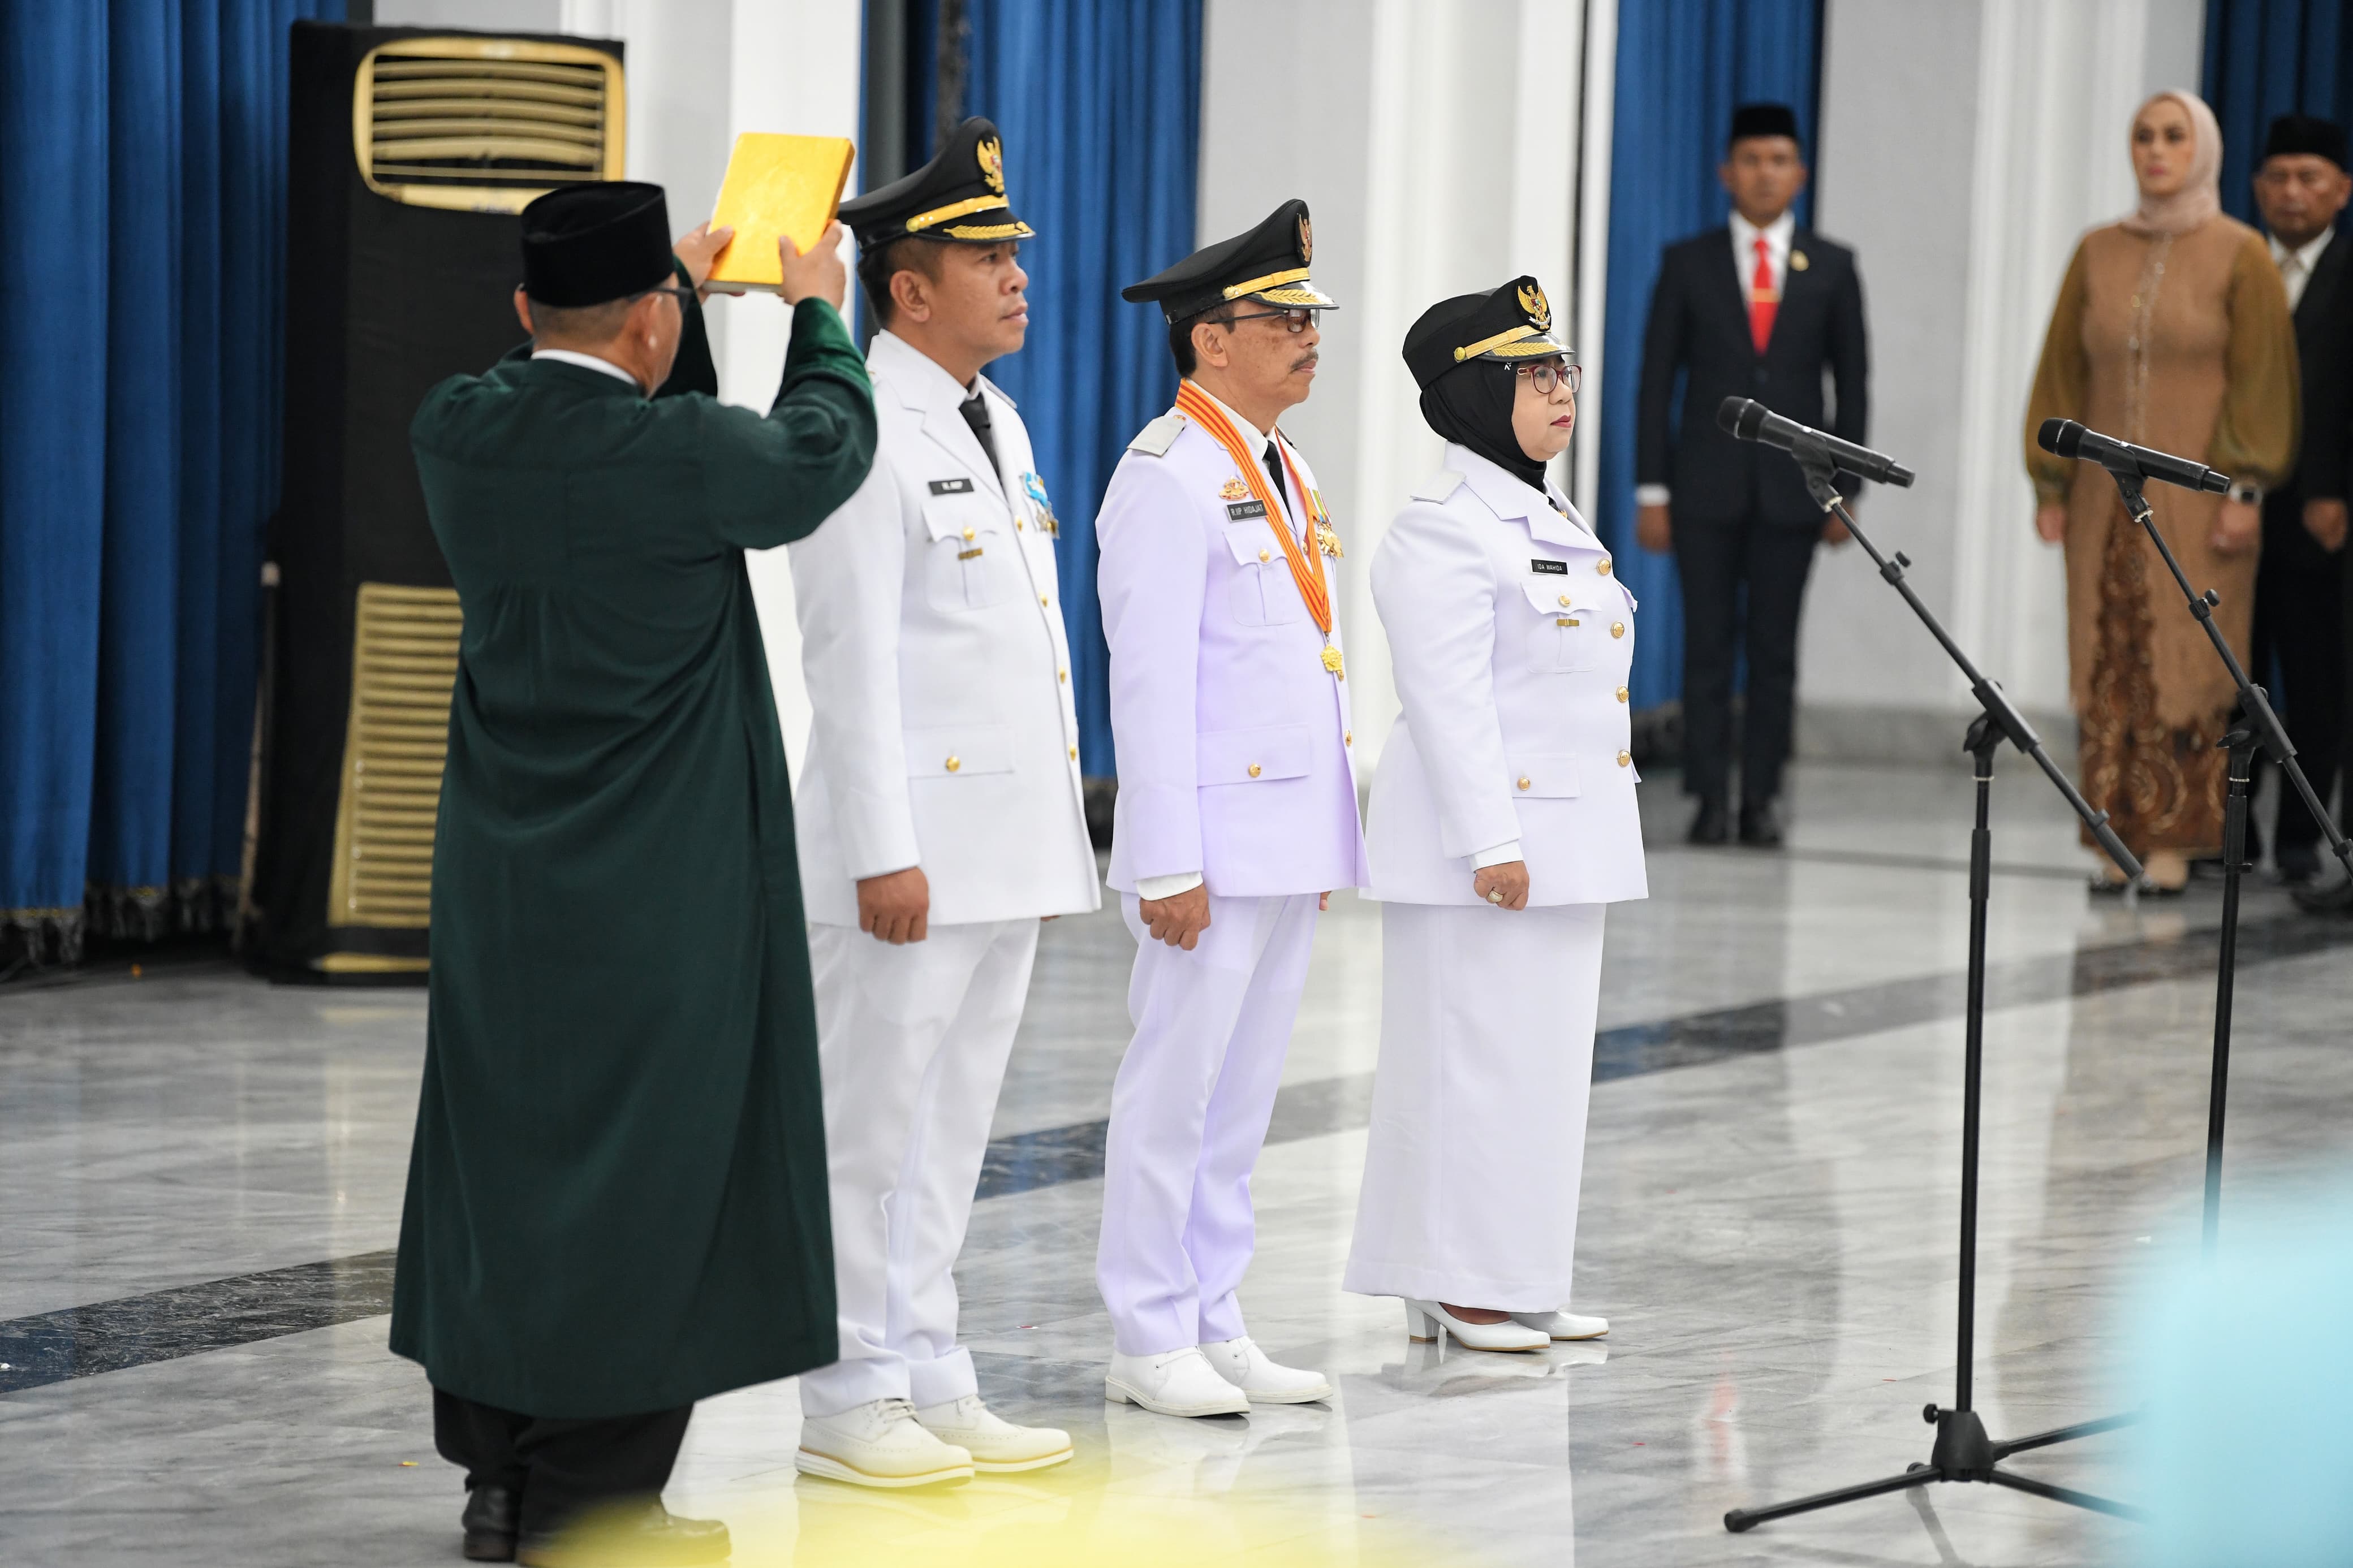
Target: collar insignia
column 991, row 153
column 1539, row 309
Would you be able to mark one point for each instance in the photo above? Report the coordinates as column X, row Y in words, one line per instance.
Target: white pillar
column 1435, row 142
column 1963, row 149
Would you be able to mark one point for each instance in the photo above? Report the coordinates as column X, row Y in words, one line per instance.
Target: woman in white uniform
column 1503, row 821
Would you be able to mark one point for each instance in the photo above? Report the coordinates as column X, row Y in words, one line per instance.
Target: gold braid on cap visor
column 1519, row 342
column 955, row 209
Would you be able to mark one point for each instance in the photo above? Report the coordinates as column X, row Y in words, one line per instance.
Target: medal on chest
column 1035, row 489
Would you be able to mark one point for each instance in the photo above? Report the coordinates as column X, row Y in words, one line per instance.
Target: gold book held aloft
column 776, row 186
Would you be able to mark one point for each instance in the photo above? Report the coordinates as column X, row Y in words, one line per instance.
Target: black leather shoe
column 1711, row 825
column 489, row 1523
column 1760, row 824
column 651, row 1537
column 2297, row 864
column 2327, row 899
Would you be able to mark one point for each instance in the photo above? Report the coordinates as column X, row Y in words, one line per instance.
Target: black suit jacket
column 1699, row 326
column 2324, row 350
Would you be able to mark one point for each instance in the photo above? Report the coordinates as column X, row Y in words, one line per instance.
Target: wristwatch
column 2247, row 491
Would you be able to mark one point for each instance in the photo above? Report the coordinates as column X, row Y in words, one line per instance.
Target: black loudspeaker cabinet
column 410, row 151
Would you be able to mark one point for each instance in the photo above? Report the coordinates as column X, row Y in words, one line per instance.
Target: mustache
column 1306, row 360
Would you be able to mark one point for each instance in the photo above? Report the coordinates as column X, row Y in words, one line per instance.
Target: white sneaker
column 1247, row 1367
column 878, row 1444
column 1175, row 1382
column 994, row 1442
column 1562, row 1325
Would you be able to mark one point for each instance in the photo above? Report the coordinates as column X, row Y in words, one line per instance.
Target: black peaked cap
column 1763, row 119
column 2305, row 134
column 1269, row 263
column 958, row 197
column 1510, row 322
column 588, row 243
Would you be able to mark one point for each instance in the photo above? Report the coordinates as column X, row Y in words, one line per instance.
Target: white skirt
column 1478, row 1131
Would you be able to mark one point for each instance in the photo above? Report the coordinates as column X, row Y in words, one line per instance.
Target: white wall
column 699, row 72
column 1964, row 148
column 1430, row 171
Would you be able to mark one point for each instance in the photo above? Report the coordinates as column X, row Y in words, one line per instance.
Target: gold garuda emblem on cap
column 1539, row 309
column 1306, row 240
column 991, row 153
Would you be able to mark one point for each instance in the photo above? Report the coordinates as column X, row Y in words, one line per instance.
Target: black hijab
column 1471, row 404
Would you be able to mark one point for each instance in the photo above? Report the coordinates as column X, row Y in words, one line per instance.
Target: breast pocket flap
column 1551, row 596
column 950, row 517
column 1251, row 545
column 1254, row 756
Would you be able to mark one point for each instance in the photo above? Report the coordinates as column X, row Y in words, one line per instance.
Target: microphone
column 2066, row 439
column 1749, row 420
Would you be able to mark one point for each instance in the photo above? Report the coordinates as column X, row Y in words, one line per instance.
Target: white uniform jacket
column 1511, row 638
column 932, row 641
column 1233, row 739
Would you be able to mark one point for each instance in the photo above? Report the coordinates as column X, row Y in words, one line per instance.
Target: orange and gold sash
column 1307, row 565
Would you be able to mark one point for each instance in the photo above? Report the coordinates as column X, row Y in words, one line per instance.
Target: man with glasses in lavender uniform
column 1237, row 811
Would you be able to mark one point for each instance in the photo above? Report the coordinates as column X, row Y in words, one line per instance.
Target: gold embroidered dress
column 2183, row 342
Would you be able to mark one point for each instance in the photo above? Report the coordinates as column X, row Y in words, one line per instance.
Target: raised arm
column 770, row 482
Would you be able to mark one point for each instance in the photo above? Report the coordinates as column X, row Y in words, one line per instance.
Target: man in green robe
column 616, row 1198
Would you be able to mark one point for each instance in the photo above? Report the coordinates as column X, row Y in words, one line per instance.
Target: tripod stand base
column 1963, row 1453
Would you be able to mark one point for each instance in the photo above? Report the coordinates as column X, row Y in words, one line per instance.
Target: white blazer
column 1511, row 638
column 932, row 641
column 1234, row 741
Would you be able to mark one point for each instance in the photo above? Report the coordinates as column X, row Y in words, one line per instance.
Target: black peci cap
column 584, row 245
column 1763, row 119
column 1268, row 263
column 2292, row 133
column 959, row 197
column 1510, row 322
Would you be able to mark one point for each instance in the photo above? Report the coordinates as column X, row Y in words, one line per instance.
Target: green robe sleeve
column 769, row 481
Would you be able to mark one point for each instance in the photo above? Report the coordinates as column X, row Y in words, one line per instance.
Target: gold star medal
column 1332, row 662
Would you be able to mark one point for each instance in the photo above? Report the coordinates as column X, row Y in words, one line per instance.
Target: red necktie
column 1763, row 299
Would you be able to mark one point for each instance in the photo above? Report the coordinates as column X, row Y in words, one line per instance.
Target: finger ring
column 1495, row 896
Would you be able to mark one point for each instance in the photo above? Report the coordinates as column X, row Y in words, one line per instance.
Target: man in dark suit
column 2300, row 187
column 1757, row 309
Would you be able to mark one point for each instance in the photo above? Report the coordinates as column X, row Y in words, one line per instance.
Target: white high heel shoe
column 1563, row 1324
column 1427, row 1320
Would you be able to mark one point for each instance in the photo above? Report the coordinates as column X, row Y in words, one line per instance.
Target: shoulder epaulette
column 1156, row 437
column 1439, row 486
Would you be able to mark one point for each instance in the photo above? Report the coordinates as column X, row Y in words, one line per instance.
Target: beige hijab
column 2201, row 195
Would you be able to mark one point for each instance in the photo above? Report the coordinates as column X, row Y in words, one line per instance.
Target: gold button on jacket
column 1255, row 770
column 955, row 762
column 1602, row 566
column 1621, row 694
column 1617, row 628
column 1624, row 758
column 1525, row 783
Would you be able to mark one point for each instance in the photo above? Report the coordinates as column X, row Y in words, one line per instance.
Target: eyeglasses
column 1550, row 373
column 1297, row 320
column 674, row 291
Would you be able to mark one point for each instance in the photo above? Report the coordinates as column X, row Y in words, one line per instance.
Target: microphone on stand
column 2066, row 439
column 1749, row 420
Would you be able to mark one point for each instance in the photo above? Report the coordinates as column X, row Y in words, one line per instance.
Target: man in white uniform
column 940, row 815
column 1237, row 811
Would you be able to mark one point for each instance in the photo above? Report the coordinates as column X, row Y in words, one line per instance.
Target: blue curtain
column 1101, row 109
column 2266, row 59
column 142, row 217
column 1681, row 65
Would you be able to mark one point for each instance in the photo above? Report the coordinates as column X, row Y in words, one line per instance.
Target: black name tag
column 952, row 487
column 1242, row 508
column 1556, row 568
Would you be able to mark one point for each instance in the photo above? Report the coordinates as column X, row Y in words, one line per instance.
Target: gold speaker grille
column 485, row 124
column 403, row 664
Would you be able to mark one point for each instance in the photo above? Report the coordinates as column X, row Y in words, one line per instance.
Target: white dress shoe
column 1175, row 1382
column 1427, row 1320
column 879, row 1444
column 1562, row 1325
column 1247, row 1367
column 994, row 1442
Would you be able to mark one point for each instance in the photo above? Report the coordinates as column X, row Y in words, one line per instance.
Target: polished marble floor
column 199, row 1174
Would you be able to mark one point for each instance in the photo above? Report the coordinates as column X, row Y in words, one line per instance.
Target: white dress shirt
column 2296, row 266
column 1777, row 237
column 586, row 361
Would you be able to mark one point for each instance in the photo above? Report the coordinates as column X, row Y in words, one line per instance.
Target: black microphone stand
column 2257, row 728
column 1963, row 1452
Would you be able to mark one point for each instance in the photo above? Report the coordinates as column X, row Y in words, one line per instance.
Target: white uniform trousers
column 1188, row 1112
column 911, row 1042
column 1478, row 1131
